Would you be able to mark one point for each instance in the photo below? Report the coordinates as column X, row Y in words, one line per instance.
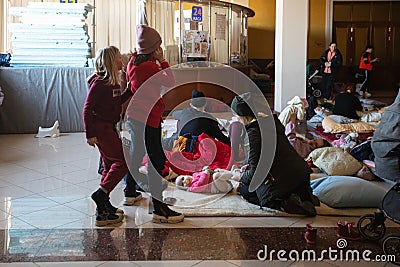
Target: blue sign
column 197, row 13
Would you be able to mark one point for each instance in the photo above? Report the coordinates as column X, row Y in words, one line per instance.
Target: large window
column 113, row 22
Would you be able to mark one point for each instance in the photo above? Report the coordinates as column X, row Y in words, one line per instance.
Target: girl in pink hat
column 147, row 72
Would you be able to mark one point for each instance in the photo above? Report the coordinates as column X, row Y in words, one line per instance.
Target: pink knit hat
column 148, row 39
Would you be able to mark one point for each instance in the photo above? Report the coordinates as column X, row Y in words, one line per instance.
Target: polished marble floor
column 47, row 219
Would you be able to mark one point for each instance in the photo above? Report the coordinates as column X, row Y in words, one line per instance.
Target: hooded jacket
column 386, row 143
column 194, row 122
column 147, row 105
column 103, row 104
column 288, row 170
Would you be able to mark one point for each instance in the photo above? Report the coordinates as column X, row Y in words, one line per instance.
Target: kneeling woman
column 286, row 186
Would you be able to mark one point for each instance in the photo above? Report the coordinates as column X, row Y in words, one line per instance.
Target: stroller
column 372, row 226
column 312, row 88
column 313, row 93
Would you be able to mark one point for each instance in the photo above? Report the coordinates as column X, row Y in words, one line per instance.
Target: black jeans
column 252, row 198
column 146, row 140
column 328, row 80
column 303, row 190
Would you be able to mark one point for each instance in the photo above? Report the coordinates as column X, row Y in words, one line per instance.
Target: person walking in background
column 147, row 72
column 366, row 64
column 101, row 112
column 330, row 61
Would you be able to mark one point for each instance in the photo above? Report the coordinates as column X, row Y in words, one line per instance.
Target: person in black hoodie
column 286, row 186
column 347, row 104
column 194, row 121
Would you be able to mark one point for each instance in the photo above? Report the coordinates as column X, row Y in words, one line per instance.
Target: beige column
column 290, row 50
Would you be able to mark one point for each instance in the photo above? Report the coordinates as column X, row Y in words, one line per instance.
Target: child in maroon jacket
column 101, row 112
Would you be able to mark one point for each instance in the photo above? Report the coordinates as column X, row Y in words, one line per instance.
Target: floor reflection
column 156, row 244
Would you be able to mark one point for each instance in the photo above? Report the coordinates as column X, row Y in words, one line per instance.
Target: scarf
column 329, row 58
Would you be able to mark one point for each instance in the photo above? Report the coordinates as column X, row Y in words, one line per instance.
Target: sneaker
column 163, row 214
column 366, row 94
column 130, row 200
column 346, row 231
column 104, row 218
column 111, row 209
column 311, row 234
column 295, row 205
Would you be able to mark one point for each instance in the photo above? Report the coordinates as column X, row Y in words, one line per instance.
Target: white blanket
column 203, row 205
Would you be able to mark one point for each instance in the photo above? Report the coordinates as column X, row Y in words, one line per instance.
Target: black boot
column 293, row 204
column 163, row 214
column 99, row 197
column 111, row 209
column 103, row 215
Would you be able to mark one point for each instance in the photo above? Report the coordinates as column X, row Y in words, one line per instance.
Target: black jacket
column 346, row 104
column 194, row 122
column 336, row 61
column 288, row 170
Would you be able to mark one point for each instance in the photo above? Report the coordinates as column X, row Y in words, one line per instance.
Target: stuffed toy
column 236, row 172
column 346, row 142
column 221, row 183
column 339, row 142
column 350, row 141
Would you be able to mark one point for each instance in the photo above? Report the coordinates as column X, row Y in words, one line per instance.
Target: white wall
column 290, row 50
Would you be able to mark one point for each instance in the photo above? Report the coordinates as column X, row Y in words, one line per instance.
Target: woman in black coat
column 330, row 61
column 286, row 186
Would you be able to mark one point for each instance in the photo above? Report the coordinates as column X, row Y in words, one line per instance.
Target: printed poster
column 195, row 43
column 220, row 26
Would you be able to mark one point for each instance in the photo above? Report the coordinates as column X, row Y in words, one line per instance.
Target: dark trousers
column 252, row 198
column 328, row 80
column 365, row 84
column 146, row 140
column 303, row 190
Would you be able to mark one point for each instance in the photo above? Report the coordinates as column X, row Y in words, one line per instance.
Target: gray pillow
column 347, row 192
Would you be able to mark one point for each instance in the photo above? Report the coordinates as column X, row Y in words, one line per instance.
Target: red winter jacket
column 202, row 182
column 207, row 152
column 147, row 105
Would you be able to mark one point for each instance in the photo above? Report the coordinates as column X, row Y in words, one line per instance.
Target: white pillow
column 334, row 161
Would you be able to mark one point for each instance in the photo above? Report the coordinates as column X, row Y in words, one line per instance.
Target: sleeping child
column 302, row 146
